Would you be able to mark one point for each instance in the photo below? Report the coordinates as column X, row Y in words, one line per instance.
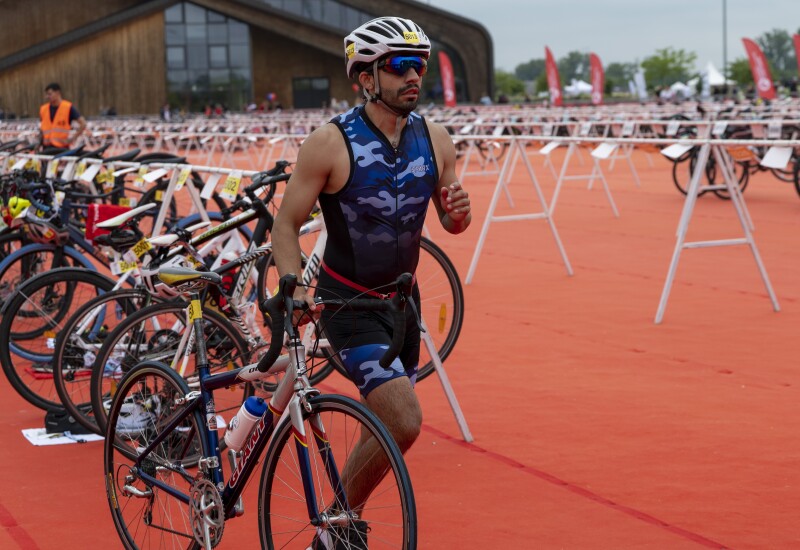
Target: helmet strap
column 375, row 97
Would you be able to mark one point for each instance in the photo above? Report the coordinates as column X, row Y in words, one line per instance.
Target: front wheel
column 351, row 455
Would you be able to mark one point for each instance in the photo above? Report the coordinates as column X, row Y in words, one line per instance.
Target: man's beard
column 403, row 107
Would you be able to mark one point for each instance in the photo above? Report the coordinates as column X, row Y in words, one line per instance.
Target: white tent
column 683, row 89
column 715, row 77
column 578, row 87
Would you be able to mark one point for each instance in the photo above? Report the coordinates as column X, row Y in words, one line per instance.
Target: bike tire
column 146, row 400
column 282, row 511
column 120, row 354
column 25, row 363
column 75, row 352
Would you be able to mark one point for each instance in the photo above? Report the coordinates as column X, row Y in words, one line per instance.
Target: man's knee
column 396, row 404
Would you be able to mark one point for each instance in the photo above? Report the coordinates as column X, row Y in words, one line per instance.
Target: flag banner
column 760, row 70
column 641, row 85
column 553, row 80
column 448, row 80
column 796, row 39
column 598, row 79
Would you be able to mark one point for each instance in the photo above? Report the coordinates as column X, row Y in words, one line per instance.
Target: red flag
column 760, row 70
column 553, row 80
column 797, row 49
column 448, row 80
column 598, row 79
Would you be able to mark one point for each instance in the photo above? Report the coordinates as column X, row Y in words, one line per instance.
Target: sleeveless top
column 375, row 221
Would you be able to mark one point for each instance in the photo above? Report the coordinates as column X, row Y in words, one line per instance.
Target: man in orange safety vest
column 56, row 118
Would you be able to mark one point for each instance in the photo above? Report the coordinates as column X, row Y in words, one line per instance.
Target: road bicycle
column 164, row 476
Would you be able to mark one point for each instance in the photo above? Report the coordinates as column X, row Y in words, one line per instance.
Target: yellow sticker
column 113, row 391
column 124, row 266
column 49, row 334
column 159, row 195
column 52, row 168
column 11, row 162
column 411, row 37
column 124, row 201
column 195, row 310
column 231, row 186
column 442, row 317
column 182, row 177
column 141, row 247
column 350, row 51
column 139, row 181
column 80, row 169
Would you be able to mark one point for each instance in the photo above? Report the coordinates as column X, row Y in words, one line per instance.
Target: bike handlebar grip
column 39, row 206
column 275, row 307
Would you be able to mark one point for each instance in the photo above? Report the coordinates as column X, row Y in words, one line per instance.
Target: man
column 373, row 170
column 56, row 118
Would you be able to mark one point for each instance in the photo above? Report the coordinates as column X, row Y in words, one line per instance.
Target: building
column 135, row 56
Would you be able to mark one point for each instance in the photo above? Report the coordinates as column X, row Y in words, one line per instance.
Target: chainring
column 206, row 513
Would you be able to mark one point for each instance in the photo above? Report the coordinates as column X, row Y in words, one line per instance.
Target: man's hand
column 455, row 202
column 314, row 309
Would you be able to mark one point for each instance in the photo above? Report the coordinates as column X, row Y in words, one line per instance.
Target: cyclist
column 56, row 118
column 373, row 170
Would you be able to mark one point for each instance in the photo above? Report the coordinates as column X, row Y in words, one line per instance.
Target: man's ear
column 366, row 79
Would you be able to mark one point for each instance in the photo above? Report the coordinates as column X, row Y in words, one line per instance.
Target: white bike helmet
column 381, row 36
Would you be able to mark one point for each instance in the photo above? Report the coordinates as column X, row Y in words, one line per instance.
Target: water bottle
column 242, row 423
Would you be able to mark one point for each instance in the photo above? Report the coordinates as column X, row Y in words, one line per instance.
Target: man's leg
column 396, row 405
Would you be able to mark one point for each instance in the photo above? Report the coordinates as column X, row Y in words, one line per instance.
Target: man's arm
column 309, row 177
column 79, row 132
column 452, row 201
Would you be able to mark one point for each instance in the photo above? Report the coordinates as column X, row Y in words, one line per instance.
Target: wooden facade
column 123, row 67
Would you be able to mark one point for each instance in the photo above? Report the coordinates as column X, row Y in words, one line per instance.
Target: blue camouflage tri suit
column 374, row 227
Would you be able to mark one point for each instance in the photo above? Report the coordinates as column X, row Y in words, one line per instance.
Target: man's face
column 52, row 96
column 400, row 81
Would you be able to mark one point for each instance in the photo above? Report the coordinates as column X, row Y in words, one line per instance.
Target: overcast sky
column 622, row 30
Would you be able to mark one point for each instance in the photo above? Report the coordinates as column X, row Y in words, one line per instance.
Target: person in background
column 56, row 118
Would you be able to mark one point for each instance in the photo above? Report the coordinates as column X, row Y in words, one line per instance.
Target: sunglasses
column 400, row 64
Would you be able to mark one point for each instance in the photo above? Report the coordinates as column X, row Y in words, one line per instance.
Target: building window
column 208, row 59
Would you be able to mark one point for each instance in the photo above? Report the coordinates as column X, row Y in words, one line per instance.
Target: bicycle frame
column 287, row 401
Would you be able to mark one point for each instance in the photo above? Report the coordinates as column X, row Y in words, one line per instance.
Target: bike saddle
column 130, row 155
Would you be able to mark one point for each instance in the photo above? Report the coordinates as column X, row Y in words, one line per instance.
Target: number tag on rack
column 774, row 129
column 122, row 266
column 127, row 201
column 140, row 248
column 182, row 177
column 10, row 163
column 210, row 186
column 231, row 186
column 719, row 128
column 33, row 164
column 584, row 129
column 672, row 127
column 80, row 169
column 52, row 168
column 139, row 181
column 547, row 129
column 627, row 128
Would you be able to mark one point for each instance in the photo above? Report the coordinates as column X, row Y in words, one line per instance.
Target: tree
column 739, row 71
column 779, row 50
column 668, row 66
column 530, row 70
column 618, row 74
column 574, row 65
column 508, row 84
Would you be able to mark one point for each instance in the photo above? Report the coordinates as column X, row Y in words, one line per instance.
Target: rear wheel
column 33, row 319
column 154, row 334
column 145, row 514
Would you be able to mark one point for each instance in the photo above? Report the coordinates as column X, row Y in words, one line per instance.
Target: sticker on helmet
column 411, row 37
column 350, row 51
